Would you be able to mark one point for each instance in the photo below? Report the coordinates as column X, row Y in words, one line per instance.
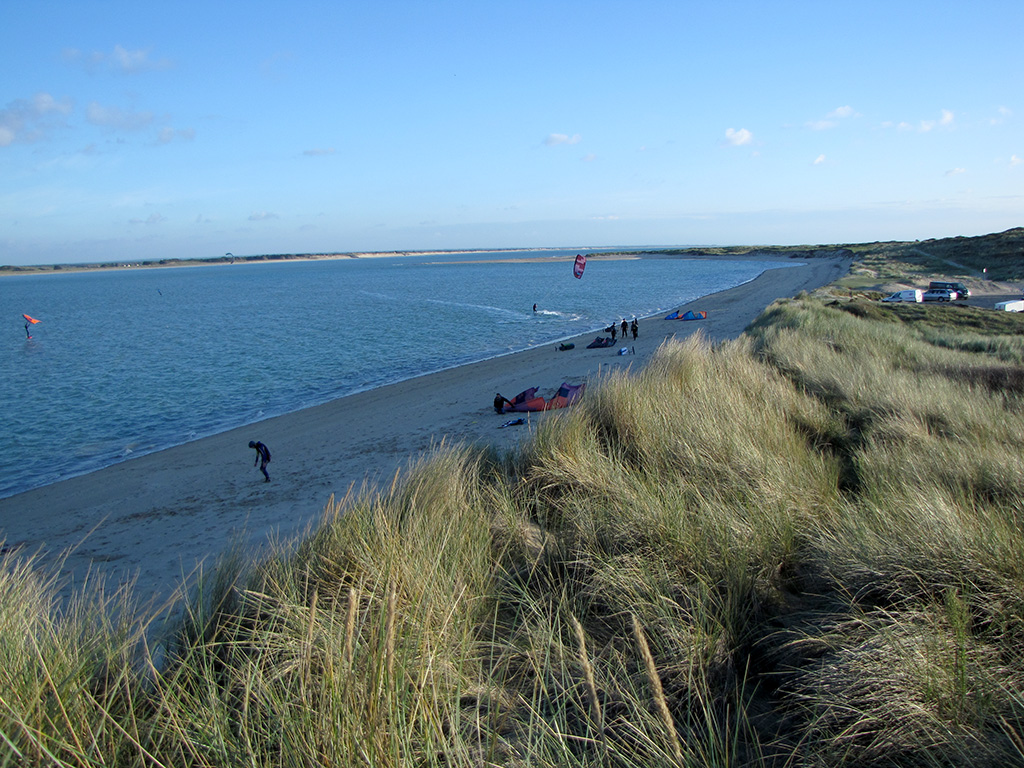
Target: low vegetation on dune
column 998, row 256
column 799, row 548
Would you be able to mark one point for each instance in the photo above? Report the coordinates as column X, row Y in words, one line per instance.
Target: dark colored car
column 960, row 288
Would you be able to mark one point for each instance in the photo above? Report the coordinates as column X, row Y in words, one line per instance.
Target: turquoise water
column 133, row 361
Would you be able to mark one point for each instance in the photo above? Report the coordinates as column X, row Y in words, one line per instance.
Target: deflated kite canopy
column 528, row 401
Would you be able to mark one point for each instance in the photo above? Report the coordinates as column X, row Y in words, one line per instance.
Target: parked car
column 909, row 295
column 939, row 294
column 959, row 288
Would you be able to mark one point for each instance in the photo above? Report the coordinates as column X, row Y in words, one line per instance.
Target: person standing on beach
column 634, row 327
column 262, row 457
column 625, row 328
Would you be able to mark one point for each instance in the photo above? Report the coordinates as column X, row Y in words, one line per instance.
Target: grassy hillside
column 999, row 256
column 799, row 548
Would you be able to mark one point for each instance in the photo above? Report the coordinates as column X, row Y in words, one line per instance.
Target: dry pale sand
column 152, row 519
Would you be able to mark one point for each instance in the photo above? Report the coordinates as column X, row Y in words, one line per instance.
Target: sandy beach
column 151, row 520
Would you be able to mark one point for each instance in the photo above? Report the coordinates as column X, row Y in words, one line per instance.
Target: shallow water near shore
column 129, row 362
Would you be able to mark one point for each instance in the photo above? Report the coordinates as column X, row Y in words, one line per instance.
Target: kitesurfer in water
column 262, row 457
column 28, row 334
column 534, row 307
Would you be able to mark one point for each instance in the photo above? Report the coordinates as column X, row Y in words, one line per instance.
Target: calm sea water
column 130, row 362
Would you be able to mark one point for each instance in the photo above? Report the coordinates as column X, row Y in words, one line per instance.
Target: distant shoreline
column 669, row 252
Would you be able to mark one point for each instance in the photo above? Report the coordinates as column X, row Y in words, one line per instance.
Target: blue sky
column 133, row 131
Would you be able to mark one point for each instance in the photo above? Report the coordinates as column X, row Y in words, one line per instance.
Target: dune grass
column 799, row 548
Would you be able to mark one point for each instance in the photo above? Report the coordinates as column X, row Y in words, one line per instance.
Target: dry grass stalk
column 389, row 647
column 588, row 676
column 659, row 694
column 350, row 626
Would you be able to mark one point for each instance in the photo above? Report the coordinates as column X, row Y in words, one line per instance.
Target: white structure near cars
column 910, row 295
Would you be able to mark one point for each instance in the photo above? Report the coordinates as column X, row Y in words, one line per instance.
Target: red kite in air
column 579, row 266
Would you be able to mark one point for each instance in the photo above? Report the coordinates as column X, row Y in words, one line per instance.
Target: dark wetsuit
column 262, row 458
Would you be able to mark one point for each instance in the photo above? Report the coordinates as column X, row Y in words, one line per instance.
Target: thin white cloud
column 27, row 120
column 319, row 152
column 263, row 216
column 555, row 139
column 121, row 59
column 116, row 118
column 945, row 120
column 956, row 171
column 819, row 159
column 738, row 138
column 153, row 218
column 1002, row 114
column 168, row 134
column 1015, row 160
column 831, row 120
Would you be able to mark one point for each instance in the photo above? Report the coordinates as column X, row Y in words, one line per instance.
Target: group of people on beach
column 626, row 329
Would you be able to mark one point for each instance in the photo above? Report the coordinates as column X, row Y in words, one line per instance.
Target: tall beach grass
column 799, row 548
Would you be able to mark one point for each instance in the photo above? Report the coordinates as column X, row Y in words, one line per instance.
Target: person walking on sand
column 262, row 457
column 500, row 401
column 634, row 328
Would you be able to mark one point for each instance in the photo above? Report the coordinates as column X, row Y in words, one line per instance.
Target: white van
column 912, row 295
